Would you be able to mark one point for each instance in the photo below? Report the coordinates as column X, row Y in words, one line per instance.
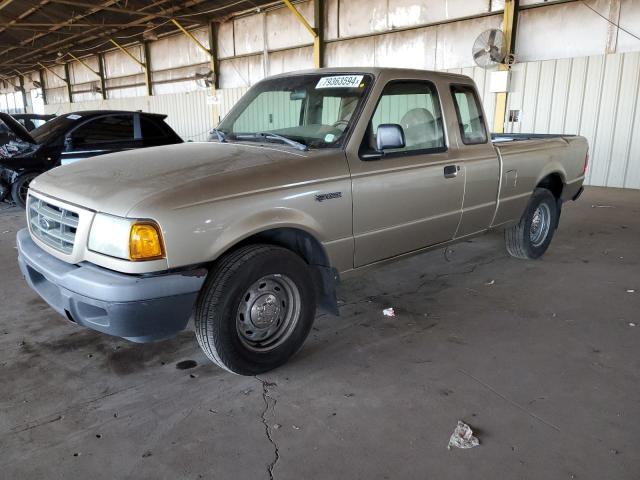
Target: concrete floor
column 540, row 358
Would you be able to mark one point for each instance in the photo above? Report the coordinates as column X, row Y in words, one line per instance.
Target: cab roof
column 375, row 71
column 93, row 113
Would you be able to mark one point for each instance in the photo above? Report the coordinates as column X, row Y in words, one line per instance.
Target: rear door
column 480, row 161
column 101, row 135
column 408, row 198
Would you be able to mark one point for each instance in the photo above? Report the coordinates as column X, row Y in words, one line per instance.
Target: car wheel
column 255, row 309
column 20, row 189
column 531, row 236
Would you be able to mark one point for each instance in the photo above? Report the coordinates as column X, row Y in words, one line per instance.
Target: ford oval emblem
column 45, row 223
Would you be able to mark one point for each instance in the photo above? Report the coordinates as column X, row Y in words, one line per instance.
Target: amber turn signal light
column 145, row 242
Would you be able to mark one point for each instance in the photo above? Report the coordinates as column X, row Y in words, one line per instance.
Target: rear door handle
column 451, row 171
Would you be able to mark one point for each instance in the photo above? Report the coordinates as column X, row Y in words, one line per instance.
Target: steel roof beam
column 122, row 10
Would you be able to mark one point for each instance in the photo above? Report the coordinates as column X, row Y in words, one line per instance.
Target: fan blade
column 496, row 55
column 478, row 54
column 492, row 37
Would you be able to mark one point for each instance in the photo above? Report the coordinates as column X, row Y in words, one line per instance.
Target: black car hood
column 16, row 128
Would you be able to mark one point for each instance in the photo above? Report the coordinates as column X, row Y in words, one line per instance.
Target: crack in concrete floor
column 266, row 397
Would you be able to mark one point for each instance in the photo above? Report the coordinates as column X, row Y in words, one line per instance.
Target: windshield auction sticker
column 341, row 81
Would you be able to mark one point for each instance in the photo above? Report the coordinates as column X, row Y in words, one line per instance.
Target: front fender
column 270, row 219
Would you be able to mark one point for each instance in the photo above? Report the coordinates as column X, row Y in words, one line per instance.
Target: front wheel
column 530, row 237
column 255, row 309
column 20, row 189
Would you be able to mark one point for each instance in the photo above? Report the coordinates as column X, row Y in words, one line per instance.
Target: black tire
column 523, row 241
column 20, row 187
column 228, row 292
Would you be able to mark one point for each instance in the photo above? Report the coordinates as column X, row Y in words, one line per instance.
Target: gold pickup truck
column 312, row 175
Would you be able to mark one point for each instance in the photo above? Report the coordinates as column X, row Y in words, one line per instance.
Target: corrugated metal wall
column 593, row 96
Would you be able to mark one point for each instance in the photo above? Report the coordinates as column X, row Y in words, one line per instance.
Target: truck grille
column 52, row 225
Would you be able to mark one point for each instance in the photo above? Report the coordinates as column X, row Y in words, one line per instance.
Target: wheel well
column 553, row 183
column 311, row 251
column 298, row 241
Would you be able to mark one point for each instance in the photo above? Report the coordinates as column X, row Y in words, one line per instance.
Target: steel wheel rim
column 268, row 313
column 540, row 224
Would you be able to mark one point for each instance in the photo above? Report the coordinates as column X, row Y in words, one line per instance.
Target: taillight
column 586, row 163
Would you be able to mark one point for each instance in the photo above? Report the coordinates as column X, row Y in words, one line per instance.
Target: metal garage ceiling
column 45, row 31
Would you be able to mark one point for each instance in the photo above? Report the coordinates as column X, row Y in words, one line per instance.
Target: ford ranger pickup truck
column 312, row 175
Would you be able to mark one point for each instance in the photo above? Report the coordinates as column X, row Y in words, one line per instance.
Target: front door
column 407, row 198
column 98, row 136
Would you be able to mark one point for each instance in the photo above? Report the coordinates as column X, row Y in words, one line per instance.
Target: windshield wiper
column 222, row 137
column 270, row 135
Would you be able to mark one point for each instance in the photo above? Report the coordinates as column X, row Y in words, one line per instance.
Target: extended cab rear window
column 470, row 117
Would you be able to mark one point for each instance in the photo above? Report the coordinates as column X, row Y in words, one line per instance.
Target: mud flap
column 327, row 279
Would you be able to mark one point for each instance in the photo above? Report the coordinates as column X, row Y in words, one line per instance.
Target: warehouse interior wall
column 572, row 66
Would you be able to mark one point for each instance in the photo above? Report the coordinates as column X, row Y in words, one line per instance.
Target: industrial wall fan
column 490, row 49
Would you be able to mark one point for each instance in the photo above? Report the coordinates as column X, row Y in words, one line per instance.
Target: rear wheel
column 20, row 189
column 531, row 236
column 256, row 309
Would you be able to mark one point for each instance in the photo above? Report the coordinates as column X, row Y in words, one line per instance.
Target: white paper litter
column 490, row 283
column 631, row 324
column 462, row 437
column 631, row 290
column 389, row 312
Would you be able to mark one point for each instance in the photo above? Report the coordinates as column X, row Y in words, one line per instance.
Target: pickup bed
column 313, row 176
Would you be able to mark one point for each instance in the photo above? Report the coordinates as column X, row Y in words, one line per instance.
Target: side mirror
column 389, row 136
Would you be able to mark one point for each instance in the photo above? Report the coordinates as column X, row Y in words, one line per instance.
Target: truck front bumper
column 138, row 308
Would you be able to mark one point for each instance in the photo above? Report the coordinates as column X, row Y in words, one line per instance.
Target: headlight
column 125, row 238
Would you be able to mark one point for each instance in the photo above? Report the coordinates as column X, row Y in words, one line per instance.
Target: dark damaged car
column 68, row 138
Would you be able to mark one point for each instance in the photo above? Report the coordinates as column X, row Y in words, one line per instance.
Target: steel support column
column 318, row 40
column 211, row 52
column 23, row 92
column 147, row 68
column 103, row 83
column 147, row 71
column 42, row 86
column 318, row 14
column 612, row 29
column 67, row 81
column 84, row 64
column 69, row 88
column 509, row 26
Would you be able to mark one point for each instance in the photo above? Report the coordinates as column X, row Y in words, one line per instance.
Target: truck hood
column 115, row 183
column 16, row 128
column 15, row 142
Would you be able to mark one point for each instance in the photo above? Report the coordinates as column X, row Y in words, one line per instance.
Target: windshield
column 314, row 110
column 53, row 128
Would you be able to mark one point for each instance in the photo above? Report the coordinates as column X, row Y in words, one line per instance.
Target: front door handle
column 451, row 171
